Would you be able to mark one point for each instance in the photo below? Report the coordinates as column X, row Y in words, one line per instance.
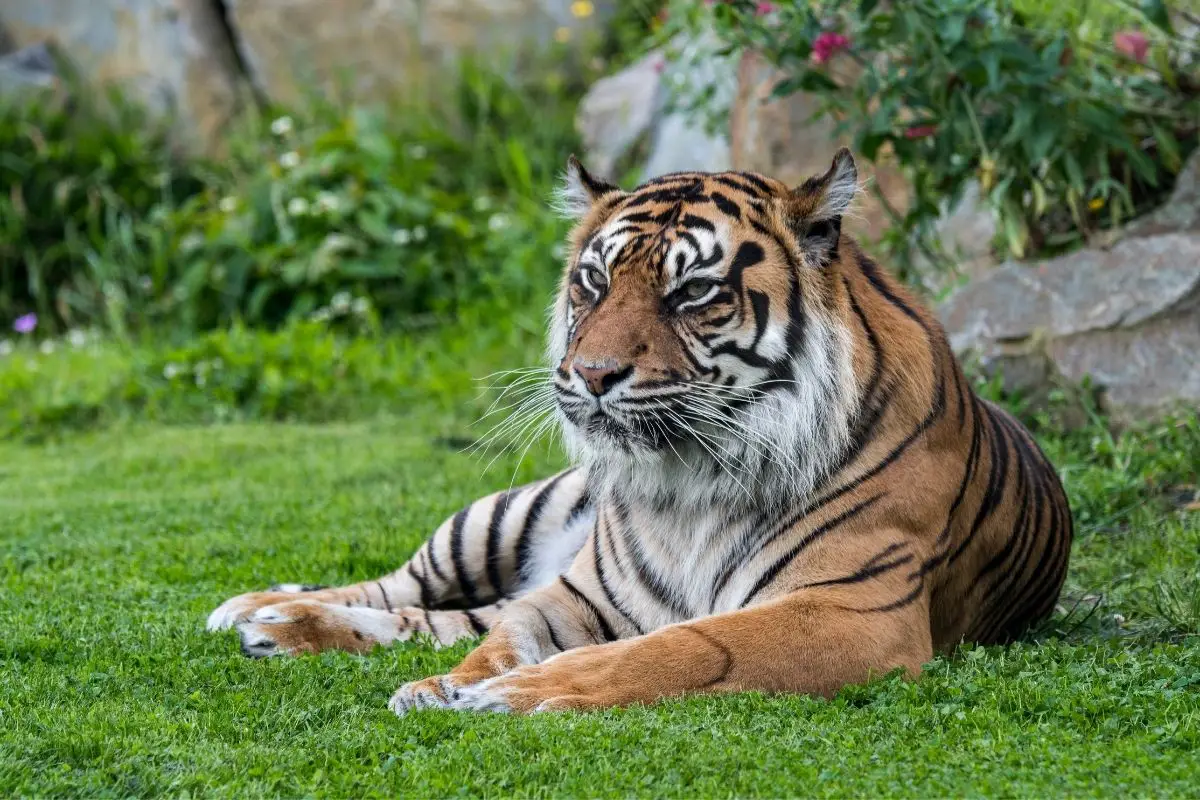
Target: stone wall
column 196, row 62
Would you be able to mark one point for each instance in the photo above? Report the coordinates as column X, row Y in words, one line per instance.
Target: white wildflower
column 559, row 251
column 482, row 203
column 289, row 159
column 282, row 126
column 419, row 233
column 327, row 201
column 321, row 315
column 228, row 205
column 6, row 347
column 297, row 206
column 340, row 302
column 76, row 337
column 146, row 283
column 417, row 151
column 361, row 306
column 497, row 222
column 171, row 370
column 401, row 236
column 47, row 347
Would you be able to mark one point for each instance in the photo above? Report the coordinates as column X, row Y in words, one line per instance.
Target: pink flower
column 762, row 9
column 660, row 64
column 1131, row 43
column 919, row 131
column 825, row 45
column 25, row 323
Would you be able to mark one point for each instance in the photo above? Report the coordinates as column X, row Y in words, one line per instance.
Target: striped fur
column 784, row 480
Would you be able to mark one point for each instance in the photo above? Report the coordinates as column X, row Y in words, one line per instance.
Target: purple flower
column 25, row 323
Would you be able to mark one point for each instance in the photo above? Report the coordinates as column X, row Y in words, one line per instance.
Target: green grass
column 115, row 544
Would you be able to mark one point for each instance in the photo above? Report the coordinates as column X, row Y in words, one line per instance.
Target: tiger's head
column 696, row 330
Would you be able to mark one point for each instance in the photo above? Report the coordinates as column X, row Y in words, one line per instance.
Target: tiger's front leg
column 551, row 621
column 814, row 641
column 452, row 588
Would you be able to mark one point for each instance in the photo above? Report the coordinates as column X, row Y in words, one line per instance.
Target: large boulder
column 30, row 68
column 1127, row 317
column 1181, row 212
column 639, row 117
column 371, row 50
column 171, row 55
column 783, row 137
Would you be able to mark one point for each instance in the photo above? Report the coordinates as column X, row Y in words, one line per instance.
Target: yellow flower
column 582, row 8
column 1096, row 204
column 562, row 35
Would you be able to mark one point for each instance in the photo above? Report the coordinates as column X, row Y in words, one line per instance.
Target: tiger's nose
column 600, row 376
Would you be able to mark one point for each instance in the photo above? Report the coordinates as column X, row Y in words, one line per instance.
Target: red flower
column 762, row 9
column 825, row 45
column 1131, row 43
column 919, row 131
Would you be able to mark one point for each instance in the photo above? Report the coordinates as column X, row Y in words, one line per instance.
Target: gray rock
column 1181, row 212
column 372, row 50
column 31, row 67
column 170, row 55
column 647, row 106
column 1128, row 317
column 619, row 111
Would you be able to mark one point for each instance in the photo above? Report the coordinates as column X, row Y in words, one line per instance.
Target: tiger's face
column 692, row 306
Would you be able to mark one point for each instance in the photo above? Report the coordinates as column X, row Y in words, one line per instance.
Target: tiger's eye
column 694, row 290
column 594, row 276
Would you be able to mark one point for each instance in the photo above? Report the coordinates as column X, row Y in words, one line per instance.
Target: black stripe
column 745, row 188
column 865, row 572
column 429, row 622
column 493, row 541
column 429, row 554
column 997, row 475
column 582, row 504
column 605, row 630
column 475, row 623
column 726, row 205
column 387, row 603
column 907, row 600
column 645, row 573
column 942, row 545
column 757, row 182
column 872, row 274
column 524, row 541
column 790, row 555
column 693, row 221
column 470, row 594
column 553, row 634
column 604, row 587
column 422, row 583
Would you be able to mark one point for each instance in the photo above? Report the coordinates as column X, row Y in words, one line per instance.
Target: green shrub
column 401, row 213
column 73, row 176
column 1067, row 123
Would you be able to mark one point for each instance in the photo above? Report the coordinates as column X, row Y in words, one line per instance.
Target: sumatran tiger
column 783, row 480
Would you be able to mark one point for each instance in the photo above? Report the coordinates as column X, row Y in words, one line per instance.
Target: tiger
column 782, row 479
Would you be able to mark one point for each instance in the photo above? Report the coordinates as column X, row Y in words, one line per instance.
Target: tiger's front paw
column 427, row 693
column 239, row 608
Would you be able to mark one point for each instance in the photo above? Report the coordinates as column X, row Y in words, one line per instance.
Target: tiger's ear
column 580, row 190
column 814, row 209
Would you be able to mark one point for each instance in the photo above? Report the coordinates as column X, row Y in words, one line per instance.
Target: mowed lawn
column 114, row 546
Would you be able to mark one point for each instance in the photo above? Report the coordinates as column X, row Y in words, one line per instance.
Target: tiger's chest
column 666, row 567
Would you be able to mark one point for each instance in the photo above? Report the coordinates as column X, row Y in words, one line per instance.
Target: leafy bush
column 72, row 177
column 1067, row 123
column 400, row 213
